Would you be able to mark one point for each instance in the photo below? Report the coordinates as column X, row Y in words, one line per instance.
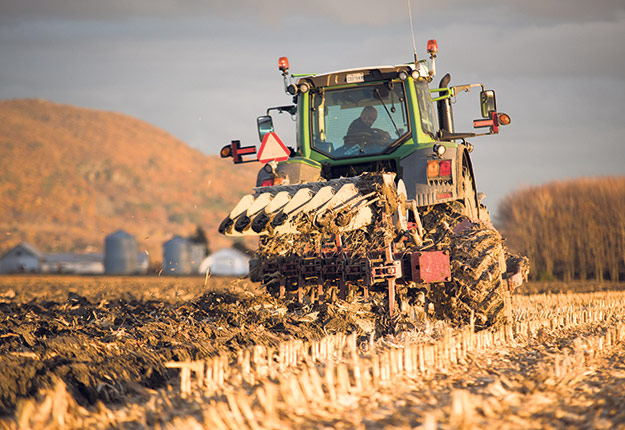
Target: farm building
column 24, row 258
column 182, row 256
column 80, row 264
column 226, row 262
column 120, row 254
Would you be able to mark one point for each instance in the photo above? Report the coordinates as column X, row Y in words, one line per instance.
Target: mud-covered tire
column 477, row 265
column 468, row 190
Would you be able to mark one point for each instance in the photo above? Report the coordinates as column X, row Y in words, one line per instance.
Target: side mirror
column 265, row 125
column 488, row 103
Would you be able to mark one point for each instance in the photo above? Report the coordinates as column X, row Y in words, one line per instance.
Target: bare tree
column 569, row 229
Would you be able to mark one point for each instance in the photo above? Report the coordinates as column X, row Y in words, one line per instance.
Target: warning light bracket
column 239, row 151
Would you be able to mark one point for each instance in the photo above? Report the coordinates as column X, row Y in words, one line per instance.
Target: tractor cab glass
column 428, row 118
column 359, row 121
column 265, row 125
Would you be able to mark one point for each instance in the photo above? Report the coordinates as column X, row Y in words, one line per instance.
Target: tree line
column 569, row 229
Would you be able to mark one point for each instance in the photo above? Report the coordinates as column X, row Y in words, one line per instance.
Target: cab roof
column 358, row 75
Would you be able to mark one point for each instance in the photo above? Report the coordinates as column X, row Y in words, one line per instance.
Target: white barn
column 24, row 258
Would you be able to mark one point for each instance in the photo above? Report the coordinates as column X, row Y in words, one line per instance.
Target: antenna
column 414, row 46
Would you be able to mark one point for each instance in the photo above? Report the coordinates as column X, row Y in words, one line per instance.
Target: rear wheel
column 470, row 201
column 477, row 286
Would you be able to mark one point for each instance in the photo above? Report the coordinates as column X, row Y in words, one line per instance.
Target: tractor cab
column 370, row 119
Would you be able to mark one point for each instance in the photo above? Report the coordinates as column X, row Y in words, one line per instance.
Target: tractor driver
column 360, row 132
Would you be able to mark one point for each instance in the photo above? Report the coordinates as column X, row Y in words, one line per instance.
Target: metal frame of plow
column 333, row 268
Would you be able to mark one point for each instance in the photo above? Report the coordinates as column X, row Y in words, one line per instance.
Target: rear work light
column 439, row 169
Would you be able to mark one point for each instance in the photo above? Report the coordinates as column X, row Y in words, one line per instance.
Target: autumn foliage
column 570, row 230
column 69, row 176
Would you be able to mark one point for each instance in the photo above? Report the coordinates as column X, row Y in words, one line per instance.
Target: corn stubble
column 180, row 357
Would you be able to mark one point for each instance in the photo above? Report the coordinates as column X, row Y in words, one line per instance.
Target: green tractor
column 378, row 198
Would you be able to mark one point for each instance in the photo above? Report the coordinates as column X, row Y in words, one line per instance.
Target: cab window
column 359, row 121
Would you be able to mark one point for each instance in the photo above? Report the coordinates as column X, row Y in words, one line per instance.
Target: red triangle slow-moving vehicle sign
column 272, row 149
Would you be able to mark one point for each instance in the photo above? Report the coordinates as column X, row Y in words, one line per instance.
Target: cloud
column 349, row 12
column 572, row 49
column 203, row 70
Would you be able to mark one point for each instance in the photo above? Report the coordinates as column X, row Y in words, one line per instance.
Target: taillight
column 433, row 169
column 272, row 181
column 439, row 169
column 445, row 168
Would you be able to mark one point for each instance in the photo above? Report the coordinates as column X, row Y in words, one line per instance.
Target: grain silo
column 120, row 254
column 177, row 257
column 198, row 254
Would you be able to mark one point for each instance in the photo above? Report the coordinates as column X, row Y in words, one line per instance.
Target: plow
column 388, row 213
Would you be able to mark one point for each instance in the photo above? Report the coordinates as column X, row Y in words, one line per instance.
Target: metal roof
column 27, row 248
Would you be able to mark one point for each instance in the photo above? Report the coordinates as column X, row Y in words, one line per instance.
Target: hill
column 69, row 176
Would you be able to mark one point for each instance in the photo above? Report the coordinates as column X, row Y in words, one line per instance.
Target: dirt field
column 78, row 352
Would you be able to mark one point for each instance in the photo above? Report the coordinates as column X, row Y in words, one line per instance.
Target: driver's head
column 368, row 115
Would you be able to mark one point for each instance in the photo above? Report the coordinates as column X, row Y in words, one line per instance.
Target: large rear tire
column 468, row 188
column 477, row 286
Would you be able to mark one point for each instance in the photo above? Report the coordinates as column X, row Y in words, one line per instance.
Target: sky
column 203, row 70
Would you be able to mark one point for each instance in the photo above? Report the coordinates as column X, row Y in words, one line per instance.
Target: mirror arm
column 446, row 93
column 290, row 109
column 464, row 88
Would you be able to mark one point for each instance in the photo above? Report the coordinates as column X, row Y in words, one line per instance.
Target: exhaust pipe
column 445, row 114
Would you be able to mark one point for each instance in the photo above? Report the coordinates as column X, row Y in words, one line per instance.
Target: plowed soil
column 108, row 338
